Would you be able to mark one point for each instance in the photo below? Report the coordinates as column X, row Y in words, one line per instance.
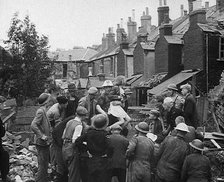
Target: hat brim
column 45, row 102
column 128, row 93
column 196, row 147
column 140, row 130
column 172, row 89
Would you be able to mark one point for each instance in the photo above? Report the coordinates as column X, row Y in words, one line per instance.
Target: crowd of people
column 88, row 139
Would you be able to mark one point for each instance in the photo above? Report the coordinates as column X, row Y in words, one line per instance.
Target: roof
column 128, row 52
column 152, row 81
column 106, row 53
column 177, row 79
column 211, row 28
column 133, row 78
column 148, row 45
column 174, row 39
column 80, row 54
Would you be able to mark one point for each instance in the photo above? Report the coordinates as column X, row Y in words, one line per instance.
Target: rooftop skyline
column 70, row 23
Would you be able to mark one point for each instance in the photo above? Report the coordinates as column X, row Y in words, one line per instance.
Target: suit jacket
column 119, row 144
column 85, row 102
column 190, row 111
column 41, row 126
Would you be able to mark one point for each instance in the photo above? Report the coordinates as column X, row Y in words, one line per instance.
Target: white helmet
column 182, row 127
column 107, row 83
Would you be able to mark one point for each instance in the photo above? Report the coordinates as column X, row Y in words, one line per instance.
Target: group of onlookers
column 87, row 141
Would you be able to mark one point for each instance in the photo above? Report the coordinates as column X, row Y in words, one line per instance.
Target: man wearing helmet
column 171, row 155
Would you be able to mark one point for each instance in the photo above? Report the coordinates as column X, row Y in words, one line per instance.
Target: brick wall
column 138, row 59
column 84, row 71
column 107, row 66
column 175, row 58
column 96, row 67
column 121, row 63
column 194, row 50
column 149, row 64
column 161, row 55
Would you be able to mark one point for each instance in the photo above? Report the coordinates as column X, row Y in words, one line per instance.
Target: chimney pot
column 160, row 3
column 165, row 2
column 197, row 4
column 129, row 19
column 185, row 12
column 207, row 4
column 181, row 10
column 143, row 13
column 118, row 25
column 122, row 22
column 133, row 14
column 147, row 11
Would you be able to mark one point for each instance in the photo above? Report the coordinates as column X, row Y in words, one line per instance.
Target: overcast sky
column 70, row 23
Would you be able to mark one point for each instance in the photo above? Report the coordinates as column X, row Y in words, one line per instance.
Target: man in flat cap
column 155, row 124
column 56, row 114
column 172, row 92
column 89, row 102
column 119, row 144
column 70, row 152
column 190, row 109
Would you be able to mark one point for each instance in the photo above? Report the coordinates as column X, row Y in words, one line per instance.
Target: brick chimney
column 119, row 32
column 220, row 5
column 104, row 43
column 165, row 29
column 124, row 41
column 110, row 38
column 132, row 29
column 197, row 16
column 163, row 14
column 146, row 20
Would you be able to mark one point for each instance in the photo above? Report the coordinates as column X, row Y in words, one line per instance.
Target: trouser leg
column 4, row 164
column 43, row 154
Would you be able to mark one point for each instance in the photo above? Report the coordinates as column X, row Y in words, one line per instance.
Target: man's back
column 171, row 155
column 119, row 144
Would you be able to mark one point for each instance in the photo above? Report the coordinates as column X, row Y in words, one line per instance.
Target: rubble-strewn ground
column 23, row 158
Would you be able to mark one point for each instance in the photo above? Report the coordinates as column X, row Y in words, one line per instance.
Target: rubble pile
column 23, row 158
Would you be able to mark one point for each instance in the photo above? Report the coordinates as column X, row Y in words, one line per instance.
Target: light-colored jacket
column 41, row 125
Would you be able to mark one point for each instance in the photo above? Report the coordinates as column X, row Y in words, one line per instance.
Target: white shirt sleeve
column 77, row 133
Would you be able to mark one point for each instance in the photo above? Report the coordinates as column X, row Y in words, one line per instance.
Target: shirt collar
column 77, row 119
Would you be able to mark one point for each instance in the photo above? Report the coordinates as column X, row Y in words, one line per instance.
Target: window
column 65, row 70
column 221, row 49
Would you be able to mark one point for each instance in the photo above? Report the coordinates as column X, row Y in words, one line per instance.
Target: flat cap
column 172, row 86
column 81, row 111
column 155, row 113
column 186, row 86
column 92, row 90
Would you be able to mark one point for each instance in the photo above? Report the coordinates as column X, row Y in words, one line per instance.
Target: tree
column 30, row 64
